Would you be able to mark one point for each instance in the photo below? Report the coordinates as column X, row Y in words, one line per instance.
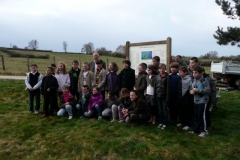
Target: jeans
column 110, row 112
column 62, row 111
column 163, row 113
column 31, row 95
column 96, row 110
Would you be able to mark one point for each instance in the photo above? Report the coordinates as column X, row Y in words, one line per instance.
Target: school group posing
column 182, row 97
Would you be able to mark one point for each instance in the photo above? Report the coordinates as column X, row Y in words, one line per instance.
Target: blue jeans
column 67, row 109
column 31, row 95
column 162, row 108
column 96, row 110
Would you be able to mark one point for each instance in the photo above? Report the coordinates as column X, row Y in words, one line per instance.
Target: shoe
column 163, row 127
column 191, row 132
column 51, row 117
column 99, row 117
column 43, row 116
column 113, row 120
column 159, row 126
column 179, row 125
column 186, row 128
column 36, row 112
column 203, row 134
column 121, row 121
column 70, row 117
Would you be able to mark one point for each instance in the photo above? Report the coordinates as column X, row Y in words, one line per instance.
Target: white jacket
column 38, row 85
column 63, row 79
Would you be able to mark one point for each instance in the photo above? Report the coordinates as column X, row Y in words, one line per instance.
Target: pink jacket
column 95, row 99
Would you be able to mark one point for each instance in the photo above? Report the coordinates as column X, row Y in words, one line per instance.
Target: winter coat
column 90, row 80
column 212, row 96
column 71, row 100
column 92, row 66
column 127, row 78
column 95, row 99
column 112, row 82
column 162, row 90
column 102, row 79
column 74, row 75
column 139, row 106
column 51, row 83
column 63, row 79
column 141, row 84
column 108, row 103
column 125, row 102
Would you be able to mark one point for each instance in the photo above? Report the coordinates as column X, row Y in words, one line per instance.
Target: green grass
column 27, row 136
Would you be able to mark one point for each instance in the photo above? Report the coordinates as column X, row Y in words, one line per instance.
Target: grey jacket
column 202, row 84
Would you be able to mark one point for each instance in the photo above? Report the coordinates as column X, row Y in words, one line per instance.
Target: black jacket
column 74, row 75
column 125, row 102
column 49, row 82
column 141, row 84
column 127, row 78
column 163, row 90
column 139, row 106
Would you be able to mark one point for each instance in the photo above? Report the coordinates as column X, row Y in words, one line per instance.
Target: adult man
column 93, row 65
column 180, row 61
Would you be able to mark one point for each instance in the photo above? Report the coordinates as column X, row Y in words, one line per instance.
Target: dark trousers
column 103, row 94
column 185, row 114
column 75, row 94
column 31, row 95
column 49, row 100
column 200, row 124
column 163, row 112
column 139, row 118
column 208, row 118
column 172, row 107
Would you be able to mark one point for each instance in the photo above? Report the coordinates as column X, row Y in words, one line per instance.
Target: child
column 53, row 65
column 33, row 83
column 112, row 81
column 73, row 75
column 110, row 106
column 83, row 100
column 212, row 98
column 162, row 96
column 155, row 63
column 193, row 62
column 125, row 103
column 95, row 103
column 86, row 77
column 201, row 90
column 48, row 91
column 152, row 86
column 141, row 83
column 127, row 76
column 138, row 111
column 184, row 107
column 100, row 77
column 174, row 84
column 67, row 102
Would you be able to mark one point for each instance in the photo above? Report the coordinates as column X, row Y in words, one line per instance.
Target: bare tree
column 33, row 44
column 88, row 48
column 14, row 46
column 102, row 51
column 121, row 49
column 210, row 55
column 65, row 46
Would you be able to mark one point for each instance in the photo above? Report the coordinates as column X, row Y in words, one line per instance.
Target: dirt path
column 13, row 77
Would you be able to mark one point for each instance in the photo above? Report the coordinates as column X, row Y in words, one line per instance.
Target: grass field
column 18, row 66
column 27, row 136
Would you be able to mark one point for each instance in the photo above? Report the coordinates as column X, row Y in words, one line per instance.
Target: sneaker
column 191, row 132
column 36, row 112
column 99, row 117
column 203, row 134
column 179, row 125
column 186, row 128
column 159, row 126
column 43, row 116
column 121, row 121
column 163, row 127
column 70, row 117
column 113, row 120
column 51, row 117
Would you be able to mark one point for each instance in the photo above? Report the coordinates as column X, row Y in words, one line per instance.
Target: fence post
column 54, row 59
column 3, row 65
column 28, row 64
column 107, row 65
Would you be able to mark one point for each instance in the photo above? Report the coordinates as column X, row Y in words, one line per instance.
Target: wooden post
column 3, row 65
column 127, row 49
column 107, row 65
column 54, row 59
column 28, row 65
column 169, row 53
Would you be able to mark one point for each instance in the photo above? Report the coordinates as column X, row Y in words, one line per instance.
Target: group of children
column 182, row 97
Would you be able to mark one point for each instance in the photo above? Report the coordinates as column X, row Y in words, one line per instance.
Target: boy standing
column 33, row 83
column 86, row 77
column 127, row 76
column 100, row 77
column 141, row 82
column 48, row 91
column 74, row 74
column 200, row 89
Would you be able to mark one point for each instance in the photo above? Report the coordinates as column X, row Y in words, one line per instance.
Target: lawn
column 27, row 136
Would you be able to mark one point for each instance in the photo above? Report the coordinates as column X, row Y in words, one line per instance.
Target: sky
column 110, row 23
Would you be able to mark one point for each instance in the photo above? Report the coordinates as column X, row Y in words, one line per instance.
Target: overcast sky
column 110, row 23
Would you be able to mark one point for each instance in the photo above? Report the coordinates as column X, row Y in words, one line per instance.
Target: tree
column 33, row 44
column 14, row 46
column 65, row 46
column 210, row 55
column 25, row 47
column 121, row 49
column 232, row 35
column 88, row 48
column 102, row 51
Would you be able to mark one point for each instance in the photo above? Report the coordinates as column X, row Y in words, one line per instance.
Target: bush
column 23, row 55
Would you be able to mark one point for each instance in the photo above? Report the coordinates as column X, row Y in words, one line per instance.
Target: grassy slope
column 27, row 136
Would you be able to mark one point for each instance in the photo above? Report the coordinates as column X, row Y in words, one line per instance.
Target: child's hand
column 66, row 103
column 48, row 89
column 195, row 90
column 89, row 112
column 192, row 92
column 134, row 88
